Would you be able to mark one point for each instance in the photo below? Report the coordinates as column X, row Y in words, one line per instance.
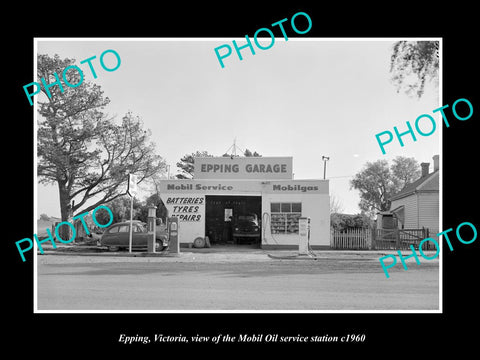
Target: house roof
column 415, row 186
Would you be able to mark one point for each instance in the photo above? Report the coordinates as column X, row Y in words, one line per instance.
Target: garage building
column 229, row 193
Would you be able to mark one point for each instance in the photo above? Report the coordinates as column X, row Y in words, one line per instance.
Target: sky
column 305, row 98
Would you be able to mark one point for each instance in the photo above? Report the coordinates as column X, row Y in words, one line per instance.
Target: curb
column 108, row 254
column 328, row 255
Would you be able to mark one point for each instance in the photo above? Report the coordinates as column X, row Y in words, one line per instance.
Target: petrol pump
column 304, row 232
column 151, row 226
column 173, row 241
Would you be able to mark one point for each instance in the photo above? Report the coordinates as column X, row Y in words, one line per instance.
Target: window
column 248, row 217
column 284, row 217
column 113, row 230
column 123, row 228
column 275, row 207
column 139, row 228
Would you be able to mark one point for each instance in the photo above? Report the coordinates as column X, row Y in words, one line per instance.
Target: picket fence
column 354, row 239
column 379, row 239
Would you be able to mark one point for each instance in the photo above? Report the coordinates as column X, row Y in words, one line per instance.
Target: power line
column 337, row 177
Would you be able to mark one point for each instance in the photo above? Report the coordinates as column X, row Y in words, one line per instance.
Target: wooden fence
column 379, row 239
column 399, row 239
column 355, row 239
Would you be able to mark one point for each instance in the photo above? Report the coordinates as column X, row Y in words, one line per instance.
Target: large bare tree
column 86, row 153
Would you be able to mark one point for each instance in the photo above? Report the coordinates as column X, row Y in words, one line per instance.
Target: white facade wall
column 316, row 207
column 186, row 199
column 428, row 212
column 410, row 211
column 429, row 205
column 191, row 224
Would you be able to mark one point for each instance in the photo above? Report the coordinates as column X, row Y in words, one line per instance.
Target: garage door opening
column 234, row 220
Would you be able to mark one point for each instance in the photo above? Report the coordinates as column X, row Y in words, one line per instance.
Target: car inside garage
column 233, row 219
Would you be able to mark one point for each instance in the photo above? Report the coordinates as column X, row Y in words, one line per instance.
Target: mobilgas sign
column 243, row 168
column 226, row 187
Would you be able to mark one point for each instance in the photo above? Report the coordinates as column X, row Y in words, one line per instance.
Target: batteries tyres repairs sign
column 243, row 168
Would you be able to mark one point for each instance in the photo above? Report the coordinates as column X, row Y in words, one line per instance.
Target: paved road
column 234, row 281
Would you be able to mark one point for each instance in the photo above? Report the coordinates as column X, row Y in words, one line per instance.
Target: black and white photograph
column 259, row 178
column 260, row 186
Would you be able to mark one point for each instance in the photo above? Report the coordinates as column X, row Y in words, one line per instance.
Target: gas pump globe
column 152, row 216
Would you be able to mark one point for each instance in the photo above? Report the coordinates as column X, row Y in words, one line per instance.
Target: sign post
column 132, row 191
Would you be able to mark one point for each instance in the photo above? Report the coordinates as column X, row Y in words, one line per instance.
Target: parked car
column 118, row 236
column 246, row 227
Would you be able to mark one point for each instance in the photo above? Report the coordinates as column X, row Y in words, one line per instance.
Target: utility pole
column 132, row 191
column 325, row 159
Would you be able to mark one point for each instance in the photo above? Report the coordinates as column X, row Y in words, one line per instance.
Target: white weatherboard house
column 417, row 205
column 226, row 188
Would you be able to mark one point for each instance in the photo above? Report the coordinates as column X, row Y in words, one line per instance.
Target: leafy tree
column 120, row 208
column 81, row 150
column 378, row 181
column 343, row 222
column 153, row 199
column 405, row 171
column 186, row 164
column 44, row 217
column 413, row 63
column 248, row 153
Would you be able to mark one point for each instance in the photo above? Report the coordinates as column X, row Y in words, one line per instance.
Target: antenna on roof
column 234, row 148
